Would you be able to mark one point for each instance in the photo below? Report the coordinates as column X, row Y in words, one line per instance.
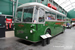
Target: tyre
column 48, row 39
column 48, row 31
column 63, row 30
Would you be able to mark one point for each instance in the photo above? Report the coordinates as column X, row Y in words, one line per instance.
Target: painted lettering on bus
column 20, row 25
column 58, row 23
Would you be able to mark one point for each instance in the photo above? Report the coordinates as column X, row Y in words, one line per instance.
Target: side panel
column 22, row 30
column 55, row 27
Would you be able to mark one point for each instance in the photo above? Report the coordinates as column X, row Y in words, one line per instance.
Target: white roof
column 41, row 5
column 66, row 4
column 6, row 15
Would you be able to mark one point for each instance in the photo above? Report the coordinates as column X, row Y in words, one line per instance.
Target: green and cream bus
column 35, row 19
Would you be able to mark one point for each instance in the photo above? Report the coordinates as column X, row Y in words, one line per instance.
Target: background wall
column 6, row 7
column 71, row 14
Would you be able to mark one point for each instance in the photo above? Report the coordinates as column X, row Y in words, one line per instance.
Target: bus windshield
column 28, row 14
column 19, row 14
column 25, row 15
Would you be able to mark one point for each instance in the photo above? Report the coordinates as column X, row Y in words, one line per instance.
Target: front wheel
column 48, row 39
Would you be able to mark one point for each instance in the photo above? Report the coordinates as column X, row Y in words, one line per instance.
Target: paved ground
column 64, row 41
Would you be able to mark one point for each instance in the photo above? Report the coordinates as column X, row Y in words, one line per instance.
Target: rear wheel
column 63, row 30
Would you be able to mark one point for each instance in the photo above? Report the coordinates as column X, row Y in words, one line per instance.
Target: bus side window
column 41, row 15
column 49, row 16
column 35, row 15
column 53, row 17
column 59, row 18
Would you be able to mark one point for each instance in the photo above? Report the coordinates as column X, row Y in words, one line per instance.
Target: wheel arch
column 48, row 28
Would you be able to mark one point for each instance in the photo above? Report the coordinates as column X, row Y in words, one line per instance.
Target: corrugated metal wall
column 71, row 14
column 6, row 7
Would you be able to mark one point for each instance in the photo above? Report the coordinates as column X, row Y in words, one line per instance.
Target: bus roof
column 41, row 5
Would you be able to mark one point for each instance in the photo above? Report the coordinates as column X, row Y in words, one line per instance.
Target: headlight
column 31, row 31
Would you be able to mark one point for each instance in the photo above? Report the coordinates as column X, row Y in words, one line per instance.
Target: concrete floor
column 65, row 41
